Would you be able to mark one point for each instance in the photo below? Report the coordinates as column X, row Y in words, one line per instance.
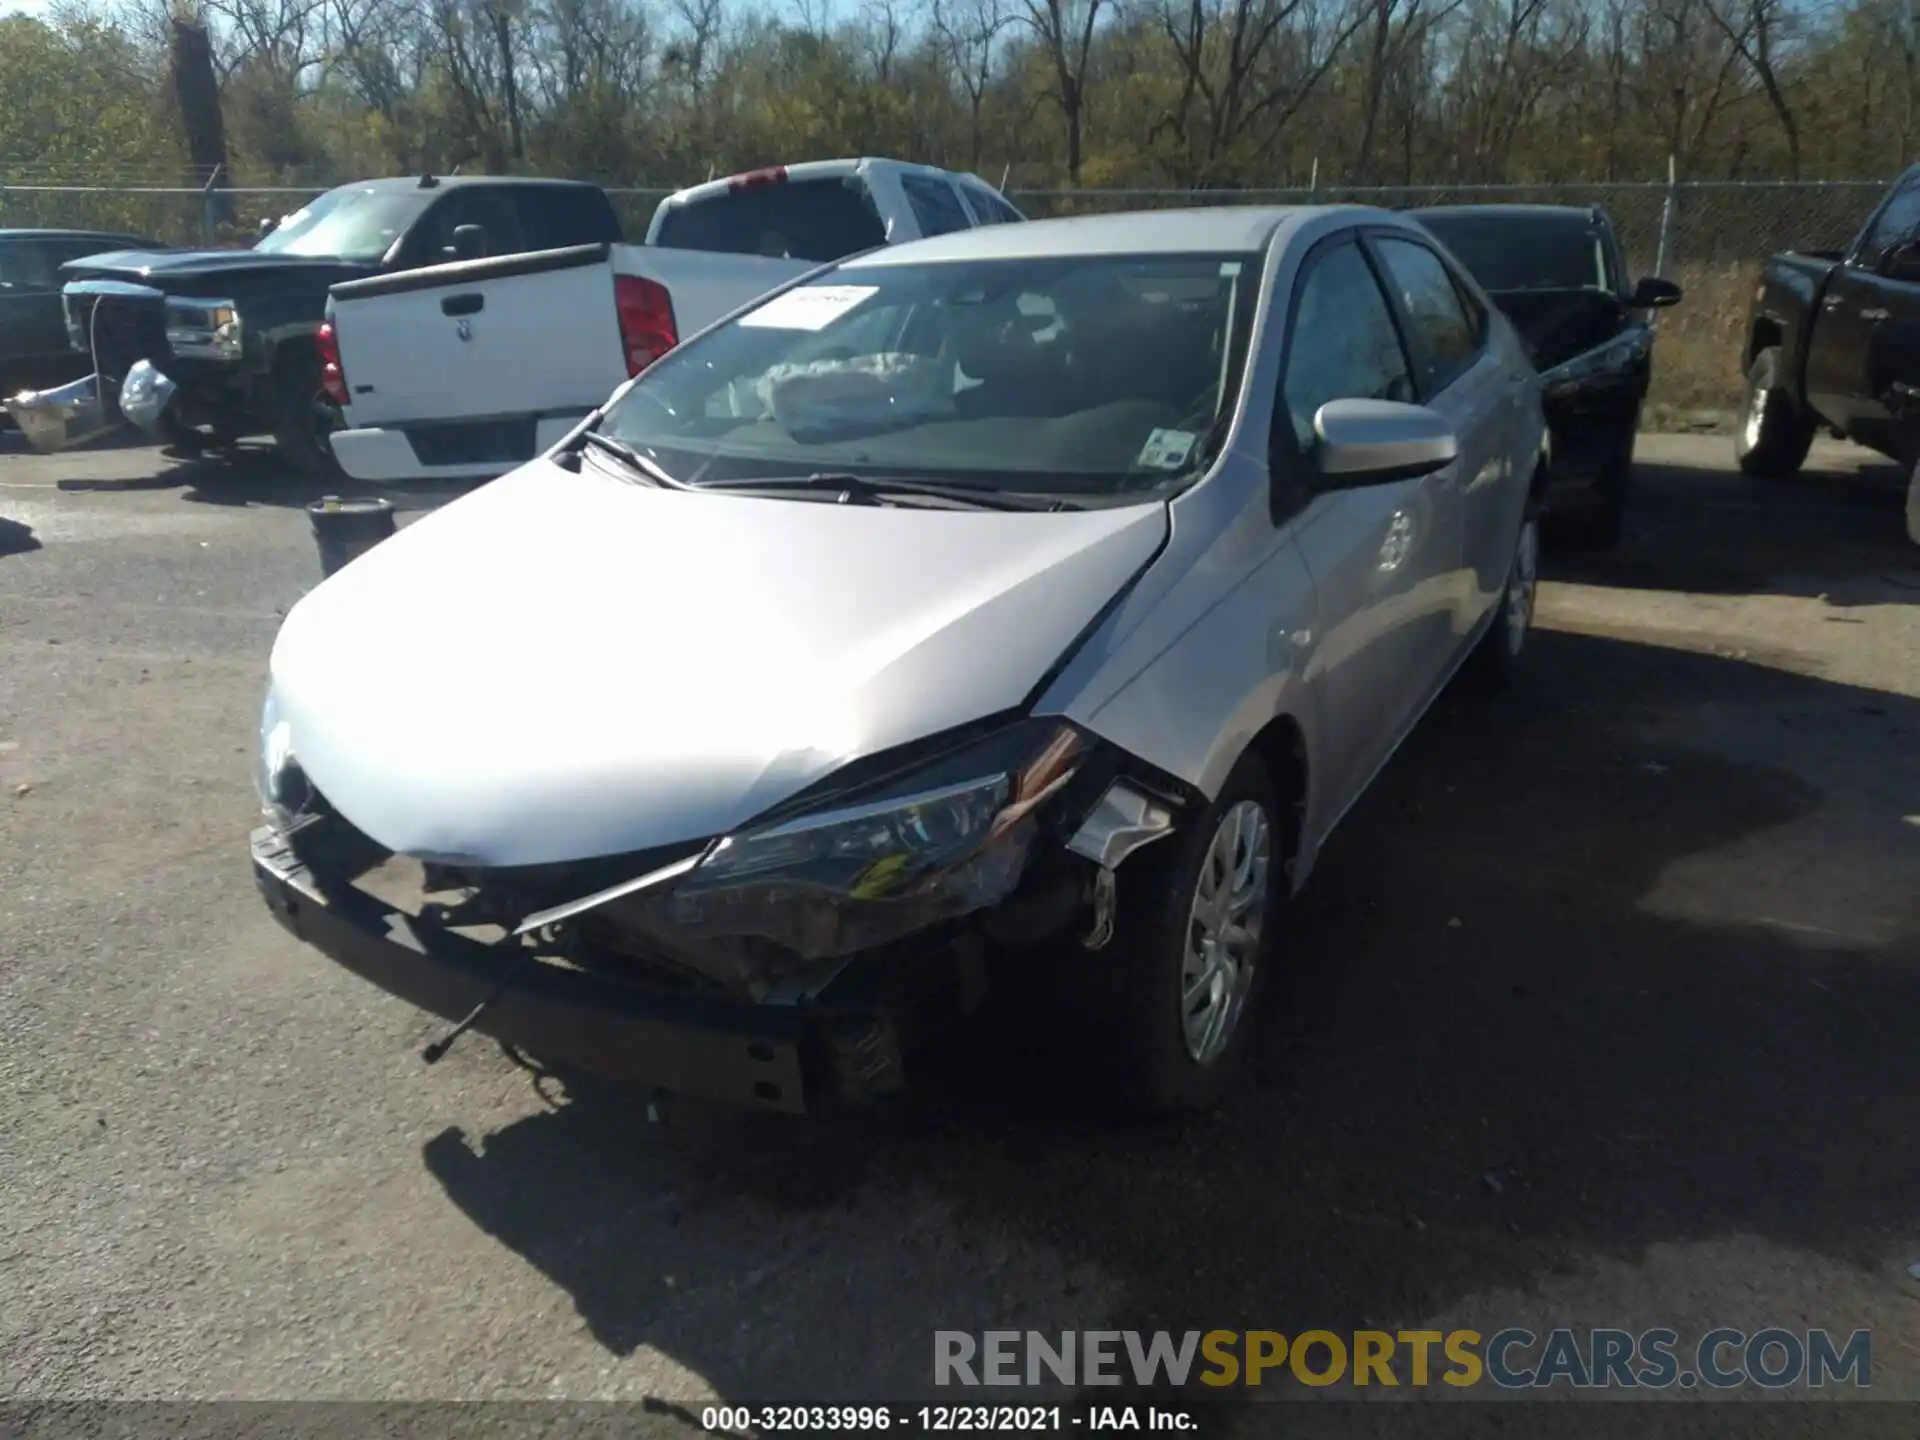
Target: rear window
column 817, row 220
column 556, row 216
column 1524, row 253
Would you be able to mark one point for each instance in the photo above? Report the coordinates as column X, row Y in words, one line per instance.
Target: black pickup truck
column 1833, row 342
column 1559, row 274
column 234, row 334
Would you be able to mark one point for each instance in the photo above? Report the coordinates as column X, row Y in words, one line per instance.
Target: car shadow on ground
column 255, row 474
column 1833, row 532
column 1505, row 1042
column 16, row 538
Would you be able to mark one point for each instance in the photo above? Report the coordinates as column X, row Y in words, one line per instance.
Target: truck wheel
column 1195, row 927
column 1775, row 434
column 304, row 418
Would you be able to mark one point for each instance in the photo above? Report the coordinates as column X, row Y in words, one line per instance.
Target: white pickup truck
column 469, row 369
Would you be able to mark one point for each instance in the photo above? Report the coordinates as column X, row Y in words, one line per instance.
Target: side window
column 1444, row 336
column 1896, row 223
column 553, row 217
column 1343, row 344
column 980, row 202
column 28, row 267
column 935, row 206
column 491, row 209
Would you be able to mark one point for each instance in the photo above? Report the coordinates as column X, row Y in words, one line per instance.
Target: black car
column 236, row 333
column 1559, row 274
column 34, row 351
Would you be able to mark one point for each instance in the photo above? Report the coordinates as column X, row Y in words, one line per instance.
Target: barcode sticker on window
column 1166, row 450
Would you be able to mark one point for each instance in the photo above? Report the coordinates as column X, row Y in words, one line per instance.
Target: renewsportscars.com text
column 1511, row 1359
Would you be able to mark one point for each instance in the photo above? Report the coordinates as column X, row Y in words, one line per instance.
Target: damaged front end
column 797, row 957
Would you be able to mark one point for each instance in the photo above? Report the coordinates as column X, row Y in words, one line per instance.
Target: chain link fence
column 1707, row 235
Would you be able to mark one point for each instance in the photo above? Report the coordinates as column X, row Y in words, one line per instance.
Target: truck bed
column 468, row 369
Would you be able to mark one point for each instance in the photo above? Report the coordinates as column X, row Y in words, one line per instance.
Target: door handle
column 1875, row 315
column 463, row 304
column 1833, row 302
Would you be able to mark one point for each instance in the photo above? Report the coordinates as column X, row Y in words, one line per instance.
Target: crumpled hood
column 562, row 666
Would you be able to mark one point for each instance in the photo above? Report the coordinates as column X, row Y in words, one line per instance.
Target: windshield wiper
column 632, row 459
column 876, row 491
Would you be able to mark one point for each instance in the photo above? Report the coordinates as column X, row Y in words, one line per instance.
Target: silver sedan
column 1055, row 586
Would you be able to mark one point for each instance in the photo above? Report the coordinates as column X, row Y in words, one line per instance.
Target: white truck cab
column 467, row 370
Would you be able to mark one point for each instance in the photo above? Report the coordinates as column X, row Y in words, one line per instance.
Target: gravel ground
column 1600, row 1012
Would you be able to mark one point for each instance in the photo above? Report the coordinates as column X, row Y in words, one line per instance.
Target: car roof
column 51, row 234
column 447, row 182
column 1202, row 229
column 1572, row 214
column 812, row 170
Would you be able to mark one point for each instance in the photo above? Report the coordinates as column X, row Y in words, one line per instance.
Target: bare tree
column 1065, row 30
column 969, row 33
column 1755, row 29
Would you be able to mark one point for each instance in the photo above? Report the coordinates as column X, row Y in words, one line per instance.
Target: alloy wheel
column 1224, row 927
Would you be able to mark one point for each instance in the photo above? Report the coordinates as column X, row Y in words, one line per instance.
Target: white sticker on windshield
column 1166, row 450
column 811, row 307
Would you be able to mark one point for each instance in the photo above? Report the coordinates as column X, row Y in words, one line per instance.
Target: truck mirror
column 1902, row 261
column 469, row 242
column 1653, row 293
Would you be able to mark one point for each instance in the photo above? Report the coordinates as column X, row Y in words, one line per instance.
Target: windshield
column 1084, row 376
column 352, row 223
column 1509, row 253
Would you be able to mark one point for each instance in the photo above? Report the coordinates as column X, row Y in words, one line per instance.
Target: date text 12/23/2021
column 770, row 1420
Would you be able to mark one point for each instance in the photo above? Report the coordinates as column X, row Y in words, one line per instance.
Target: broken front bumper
column 58, row 419
column 768, row 1057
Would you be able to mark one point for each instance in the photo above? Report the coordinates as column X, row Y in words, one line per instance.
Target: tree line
column 1040, row 94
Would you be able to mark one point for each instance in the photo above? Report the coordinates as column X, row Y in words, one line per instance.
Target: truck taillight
column 754, row 179
column 333, row 380
column 646, row 320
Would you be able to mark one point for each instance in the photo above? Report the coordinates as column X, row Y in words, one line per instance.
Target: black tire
column 1139, row 980
column 1774, row 433
column 303, row 417
column 1501, row 649
column 1913, row 503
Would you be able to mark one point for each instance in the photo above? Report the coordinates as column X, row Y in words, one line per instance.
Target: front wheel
column 1195, row 932
column 304, row 419
column 1775, row 433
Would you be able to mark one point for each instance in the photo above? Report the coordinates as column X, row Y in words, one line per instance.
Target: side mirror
column 269, row 225
column 469, row 242
column 1375, row 442
column 1902, row 261
column 1653, row 293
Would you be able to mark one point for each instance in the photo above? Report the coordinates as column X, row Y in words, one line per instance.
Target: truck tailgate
column 706, row 285
column 517, row 335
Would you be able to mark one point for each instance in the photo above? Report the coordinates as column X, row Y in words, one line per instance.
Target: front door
column 1378, row 554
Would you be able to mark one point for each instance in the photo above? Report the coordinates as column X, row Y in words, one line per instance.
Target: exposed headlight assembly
column 203, row 329
column 950, row 838
column 277, row 779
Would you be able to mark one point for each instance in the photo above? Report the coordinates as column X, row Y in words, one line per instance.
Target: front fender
column 1210, row 646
